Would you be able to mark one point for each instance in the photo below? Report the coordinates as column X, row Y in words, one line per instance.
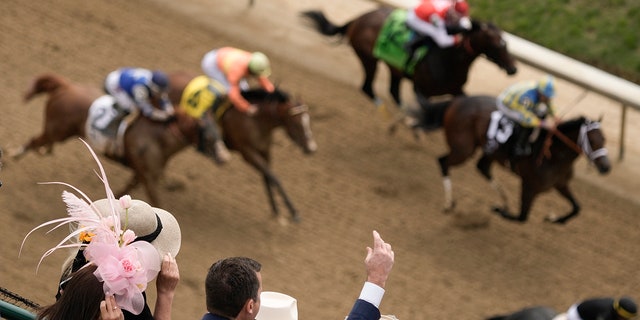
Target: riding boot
column 522, row 147
column 411, row 46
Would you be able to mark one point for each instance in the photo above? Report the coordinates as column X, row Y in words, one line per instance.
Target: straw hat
column 143, row 219
column 277, row 306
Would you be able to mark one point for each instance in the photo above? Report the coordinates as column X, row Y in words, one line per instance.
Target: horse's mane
column 259, row 94
column 572, row 124
column 477, row 25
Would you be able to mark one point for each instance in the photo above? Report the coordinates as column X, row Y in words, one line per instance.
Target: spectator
column 84, row 300
column 378, row 263
column 127, row 242
column 233, row 287
column 607, row 308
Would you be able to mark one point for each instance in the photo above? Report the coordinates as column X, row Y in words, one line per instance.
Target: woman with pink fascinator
column 122, row 244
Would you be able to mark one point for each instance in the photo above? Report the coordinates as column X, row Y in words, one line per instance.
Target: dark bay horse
column 466, row 122
column 252, row 136
column 454, row 62
column 529, row 313
column 148, row 145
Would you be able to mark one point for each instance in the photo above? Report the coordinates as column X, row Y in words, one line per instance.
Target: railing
column 625, row 92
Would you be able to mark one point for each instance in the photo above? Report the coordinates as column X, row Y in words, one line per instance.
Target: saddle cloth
column 390, row 45
column 203, row 93
column 105, row 126
column 499, row 131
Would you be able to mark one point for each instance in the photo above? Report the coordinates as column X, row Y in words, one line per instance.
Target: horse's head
column 590, row 140
column 486, row 38
column 294, row 117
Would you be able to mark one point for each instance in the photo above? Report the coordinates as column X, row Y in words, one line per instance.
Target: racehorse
column 148, row 145
column 529, row 313
column 440, row 72
column 466, row 123
column 252, row 136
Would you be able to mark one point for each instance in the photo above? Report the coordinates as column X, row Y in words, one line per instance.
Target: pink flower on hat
column 125, row 270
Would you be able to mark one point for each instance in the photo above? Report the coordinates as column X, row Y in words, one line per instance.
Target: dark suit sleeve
column 363, row 310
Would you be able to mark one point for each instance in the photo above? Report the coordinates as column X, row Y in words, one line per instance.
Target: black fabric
column 152, row 236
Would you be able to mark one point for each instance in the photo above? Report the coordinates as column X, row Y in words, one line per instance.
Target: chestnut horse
column 148, row 145
column 252, row 136
column 453, row 63
column 466, row 122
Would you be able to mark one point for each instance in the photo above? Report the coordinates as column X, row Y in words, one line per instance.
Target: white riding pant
column 437, row 30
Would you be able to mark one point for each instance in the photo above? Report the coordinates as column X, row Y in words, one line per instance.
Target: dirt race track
column 467, row 265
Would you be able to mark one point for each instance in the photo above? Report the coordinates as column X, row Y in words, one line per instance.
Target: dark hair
column 80, row 300
column 230, row 283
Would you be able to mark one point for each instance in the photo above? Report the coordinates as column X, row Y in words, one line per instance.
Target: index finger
column 377, row 240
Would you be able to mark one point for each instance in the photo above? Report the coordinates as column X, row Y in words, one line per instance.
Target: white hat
column 277, row 306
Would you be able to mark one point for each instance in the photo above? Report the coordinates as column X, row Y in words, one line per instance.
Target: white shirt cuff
column 372, row 293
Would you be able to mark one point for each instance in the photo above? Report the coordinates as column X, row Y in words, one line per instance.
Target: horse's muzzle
column 603, row 164
column 511, row 70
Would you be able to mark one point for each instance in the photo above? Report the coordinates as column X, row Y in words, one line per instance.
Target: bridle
column 583, row 145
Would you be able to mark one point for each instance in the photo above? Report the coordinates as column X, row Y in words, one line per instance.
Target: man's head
column 233, row 288
column 546, row 87
column 625, row 308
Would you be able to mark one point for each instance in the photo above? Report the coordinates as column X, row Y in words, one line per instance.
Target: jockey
column 232, row 66
column 139, row 88
column 438, row 20
column 528, row 103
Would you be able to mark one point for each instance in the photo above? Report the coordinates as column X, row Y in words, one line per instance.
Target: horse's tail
column 323, row 25
column 45, row 83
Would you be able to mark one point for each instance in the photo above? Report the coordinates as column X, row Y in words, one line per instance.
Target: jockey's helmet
column 462, row 7
column 625, row 308
column 159, row 81
column 259, row 64
column 546, row 87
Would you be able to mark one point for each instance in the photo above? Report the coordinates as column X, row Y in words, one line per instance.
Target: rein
column 582, row 146
column 466, row 43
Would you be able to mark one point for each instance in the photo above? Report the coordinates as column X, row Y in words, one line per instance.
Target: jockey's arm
column 237, row 99
column 434, row 28
column 266, row 84
column 141, row 98
column 529, row 119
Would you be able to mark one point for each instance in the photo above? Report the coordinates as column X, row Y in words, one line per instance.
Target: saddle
column 391, row 44
column 503, row 133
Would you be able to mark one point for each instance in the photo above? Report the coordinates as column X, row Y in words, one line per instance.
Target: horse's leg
column 575, row 207
column 260, row 161
column 269, row 189
column 36, row 143
column 370, row 66
column 446, row 182
column 526, row 199
column 484, row 166
column 394, row 86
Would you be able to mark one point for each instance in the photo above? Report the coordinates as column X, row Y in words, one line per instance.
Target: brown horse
column 252, row 136
column 148, row 145
column 466, row 123
column 441, row 72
